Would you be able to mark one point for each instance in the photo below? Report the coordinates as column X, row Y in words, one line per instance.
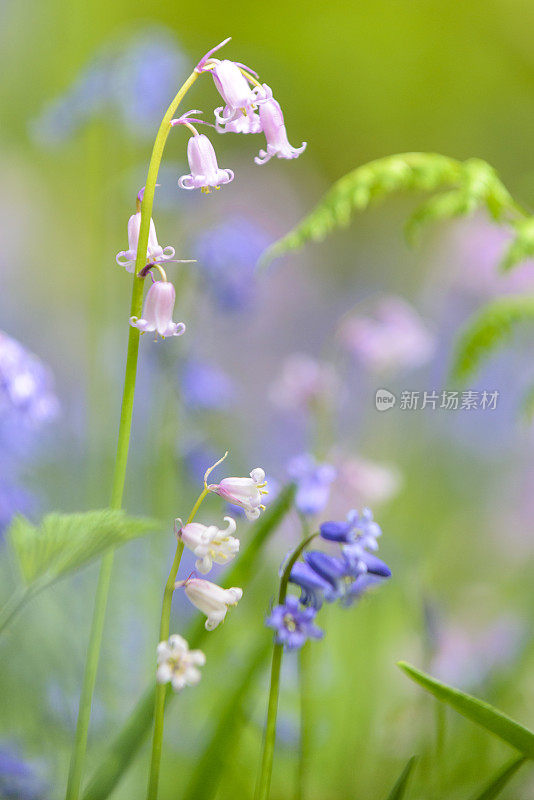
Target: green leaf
column 522, row 246
column 490, row 718
column 500, row 781
column 488, row 330
column 63, row 543
column 209, row 766
column 475, row 184
column 399, row 790
column 127, row 743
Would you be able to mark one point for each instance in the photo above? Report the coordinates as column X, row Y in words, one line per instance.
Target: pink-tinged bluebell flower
column 292, row 624
column 205, row 172
column 313, row 483
column 177, row 664
column 272, row 124
column 158, row 310
column 314, row 588
column 248, row 122
column 235, row 89
column 209, row 543
column 244, row 492
column 154, row 254
column 212, row 600
column 393, row 338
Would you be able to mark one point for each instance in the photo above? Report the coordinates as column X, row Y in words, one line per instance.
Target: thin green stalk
column 263, row 785
column 161, row 689
column 123, row 444
column 306, row 727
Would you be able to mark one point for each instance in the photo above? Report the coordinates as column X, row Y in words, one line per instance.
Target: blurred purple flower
column 26, row 387
column 478, row 247
column 13, row 500
column 304, row 382
column 363, row 482
column 130, row 80
column 228, row 254
column 293, row 625
column 313, row 483
column 466, row 658
column 394, row 338
column 206, row 387
column 18, row 779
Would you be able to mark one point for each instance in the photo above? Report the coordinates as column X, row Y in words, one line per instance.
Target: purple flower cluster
column 129, row 81
column 323, row 577
column 313, row 483
column 18, row 779
column 228, row 254
column 27, row 402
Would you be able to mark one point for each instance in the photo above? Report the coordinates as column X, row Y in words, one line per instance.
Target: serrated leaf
column 399, row 790
column 475, row 184
column 487, row 330
column 123, row 749
column 500, row 781
column 478, row 711
column 522, row 246
column 62, row 543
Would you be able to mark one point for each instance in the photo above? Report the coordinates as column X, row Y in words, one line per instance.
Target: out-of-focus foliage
column 63, row 543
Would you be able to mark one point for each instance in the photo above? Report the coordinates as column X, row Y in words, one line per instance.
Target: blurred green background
column 357, row 82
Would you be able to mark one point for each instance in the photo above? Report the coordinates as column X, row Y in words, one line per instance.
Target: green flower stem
column 161, row 689
column 123, row 445
column 263, row 785
column 306, row 728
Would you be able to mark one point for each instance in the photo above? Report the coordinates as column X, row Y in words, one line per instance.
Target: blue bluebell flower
column 18, row 779
column 313, row 483
column 339, row 573
column 293, row 625
column 314, row 588
column 359, row 587
column 228, row 254
column 206, row 387
column 357, row 527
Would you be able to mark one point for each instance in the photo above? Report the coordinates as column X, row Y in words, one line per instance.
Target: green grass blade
column 500, row 781
column 210, row 765
column 126, row 745
column 490, row 718
column 399, row 790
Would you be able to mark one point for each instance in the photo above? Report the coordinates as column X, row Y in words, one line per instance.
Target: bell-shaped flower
column 205, row 172
column 292, row 624
column 209, row 543
column 246, row 122
column 158, row 310
column 154, row 254
column 177, row 664
column 244, row 492
column 239, row 96
column 272, row 123
column 340, row 573
column 314, row 588
column 211, row 599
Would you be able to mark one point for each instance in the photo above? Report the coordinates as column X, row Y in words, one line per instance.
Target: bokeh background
column 272, row 367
